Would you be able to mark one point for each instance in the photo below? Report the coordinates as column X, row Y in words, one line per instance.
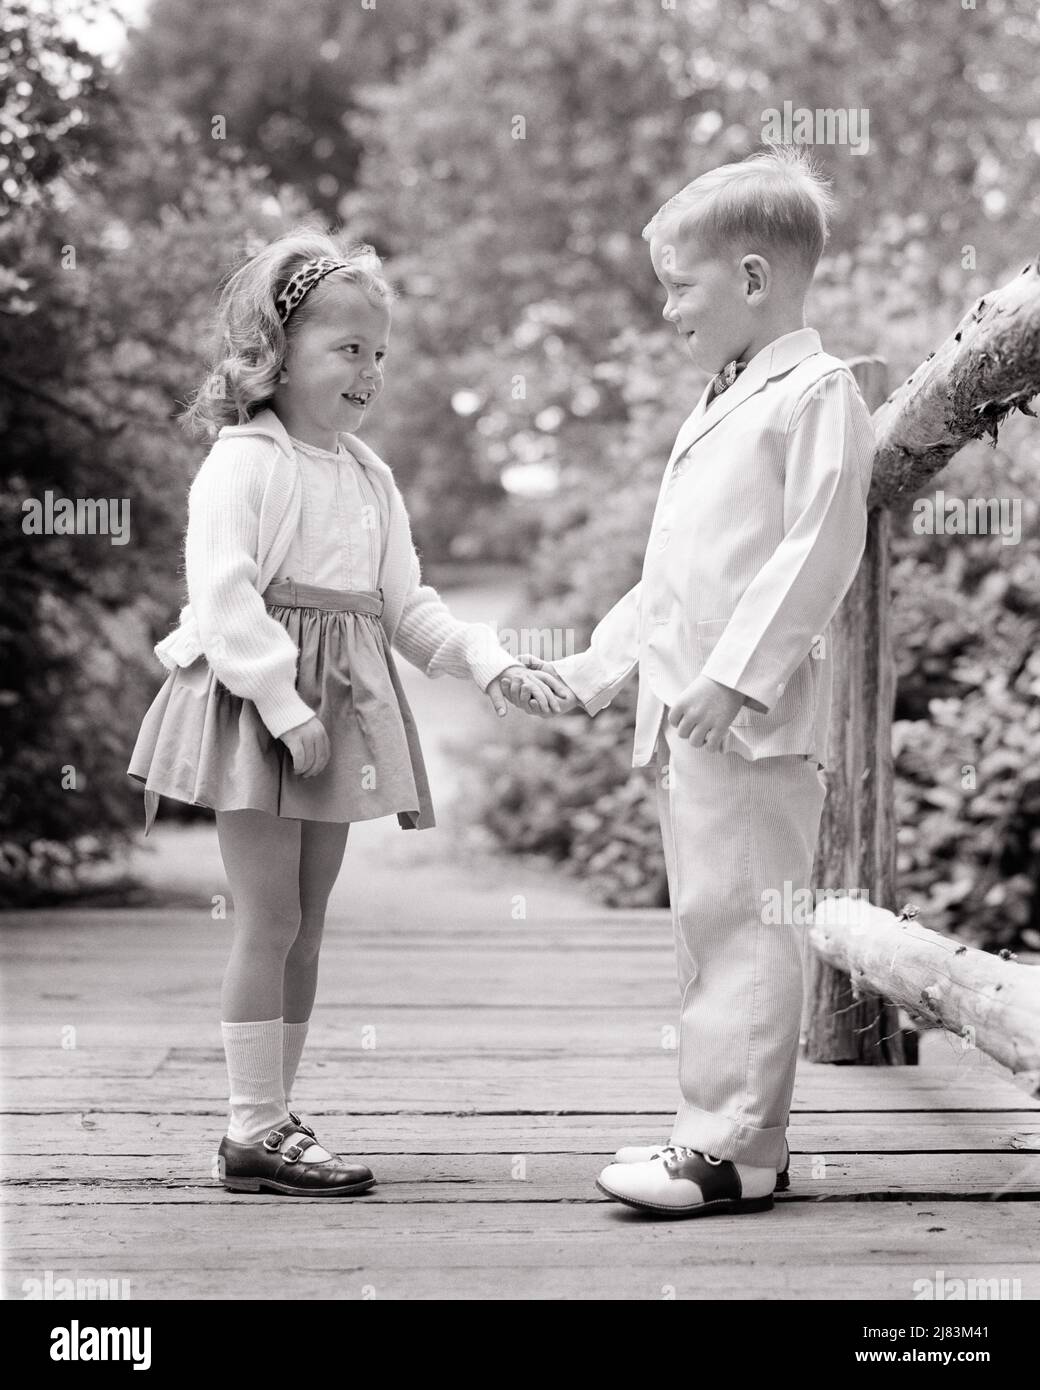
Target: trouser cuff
column 722, row 1137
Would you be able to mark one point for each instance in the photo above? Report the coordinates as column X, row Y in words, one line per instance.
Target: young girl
column 284, row 711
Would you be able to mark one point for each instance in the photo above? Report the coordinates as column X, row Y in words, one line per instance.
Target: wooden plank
column 336, row 1033
column 478, row 1079
column 369, row 1036
column 489, row 1250
column 988, row 1231
column 607, row 1274
column 512, row 1177
column 595, row 1032
column 392, row 1090
column 37, row 931
column 43, row 1064
column 465, row 1080
column 98, row 1134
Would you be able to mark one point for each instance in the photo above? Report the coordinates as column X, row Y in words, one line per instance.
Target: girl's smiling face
column 334, row 363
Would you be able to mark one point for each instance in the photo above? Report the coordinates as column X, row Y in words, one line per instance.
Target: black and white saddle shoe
column 644, row 1153
column 681, row 1182
column 273, row 1165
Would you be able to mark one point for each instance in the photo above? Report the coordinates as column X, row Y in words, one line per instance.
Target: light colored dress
column 201, row 744
column 338, row 542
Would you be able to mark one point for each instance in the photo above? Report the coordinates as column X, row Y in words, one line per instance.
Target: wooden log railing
column 990, row 1001
column 988, row 366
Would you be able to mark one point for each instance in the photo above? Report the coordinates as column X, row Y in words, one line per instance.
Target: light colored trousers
column 734, row 832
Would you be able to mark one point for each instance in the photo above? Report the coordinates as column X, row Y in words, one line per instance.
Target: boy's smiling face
column 707, row 300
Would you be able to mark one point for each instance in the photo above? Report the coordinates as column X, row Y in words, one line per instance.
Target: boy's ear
column 756, row 274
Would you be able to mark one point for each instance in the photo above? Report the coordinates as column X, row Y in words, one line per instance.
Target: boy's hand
column 566, row 700
column 533, row 694
column 704, row 712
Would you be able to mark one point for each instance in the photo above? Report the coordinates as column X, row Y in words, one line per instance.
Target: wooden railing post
column 856, row 848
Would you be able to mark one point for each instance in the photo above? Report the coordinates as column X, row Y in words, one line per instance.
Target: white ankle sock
column 294, row 1035
column 254, row 1063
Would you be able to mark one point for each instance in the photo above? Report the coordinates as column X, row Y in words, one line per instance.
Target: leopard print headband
column 364, row 258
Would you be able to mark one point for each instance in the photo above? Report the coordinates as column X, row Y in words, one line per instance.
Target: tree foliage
column 505, row 159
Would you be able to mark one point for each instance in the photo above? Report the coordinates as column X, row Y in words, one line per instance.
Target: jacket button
column 781, row 688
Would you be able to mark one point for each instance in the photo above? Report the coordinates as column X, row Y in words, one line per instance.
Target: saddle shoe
column 681, row 1182
column 637, row 1154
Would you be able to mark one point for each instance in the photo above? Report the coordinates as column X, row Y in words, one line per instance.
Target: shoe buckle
column 292, row 1153
column 273, row 1141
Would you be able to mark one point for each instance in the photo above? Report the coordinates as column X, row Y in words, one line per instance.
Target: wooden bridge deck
column 486, row 1067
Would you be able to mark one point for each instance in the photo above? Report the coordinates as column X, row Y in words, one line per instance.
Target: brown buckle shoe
column 274, row 1166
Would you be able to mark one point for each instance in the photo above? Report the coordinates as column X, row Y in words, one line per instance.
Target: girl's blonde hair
column 253, row 339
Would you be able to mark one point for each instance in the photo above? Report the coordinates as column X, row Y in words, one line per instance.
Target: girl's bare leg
column 321, row 854
column 262, row 857
column 322, row 844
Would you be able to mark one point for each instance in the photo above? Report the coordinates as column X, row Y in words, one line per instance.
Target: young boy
column 757, row 536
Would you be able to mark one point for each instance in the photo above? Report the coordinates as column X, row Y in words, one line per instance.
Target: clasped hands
column 703, row 712
column 533, row 686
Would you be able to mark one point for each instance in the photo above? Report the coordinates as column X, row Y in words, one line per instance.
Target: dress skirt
column 201, row 744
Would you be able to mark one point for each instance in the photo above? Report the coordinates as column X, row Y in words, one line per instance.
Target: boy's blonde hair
column 253, row 339
column 773, row 202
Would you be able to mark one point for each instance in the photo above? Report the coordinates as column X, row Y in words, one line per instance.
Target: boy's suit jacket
column 757, row 535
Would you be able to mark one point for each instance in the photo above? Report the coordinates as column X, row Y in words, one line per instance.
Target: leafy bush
column 967, row 729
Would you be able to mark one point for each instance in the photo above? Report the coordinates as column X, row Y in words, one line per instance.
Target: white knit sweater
column 243, row 510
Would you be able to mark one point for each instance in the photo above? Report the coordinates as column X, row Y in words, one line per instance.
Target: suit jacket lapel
column 688, row 427
column 779, row 356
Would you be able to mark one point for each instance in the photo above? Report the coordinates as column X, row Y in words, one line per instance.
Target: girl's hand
column 522, row 689
column 309, row 745
column 502, row 689
column 534, row 694
column 566, row 700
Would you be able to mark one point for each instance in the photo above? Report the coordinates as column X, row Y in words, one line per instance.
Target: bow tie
column 723, row 380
